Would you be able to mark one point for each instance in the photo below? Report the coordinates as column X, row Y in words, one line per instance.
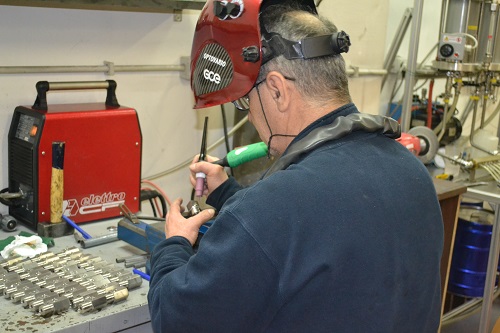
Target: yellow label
column 56, row 195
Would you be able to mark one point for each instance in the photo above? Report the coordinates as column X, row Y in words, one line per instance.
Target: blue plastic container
column 471, row 250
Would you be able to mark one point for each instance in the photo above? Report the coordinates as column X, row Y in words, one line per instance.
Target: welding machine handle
column 43, row 86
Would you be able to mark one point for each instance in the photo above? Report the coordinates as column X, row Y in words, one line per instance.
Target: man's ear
column 280, row 90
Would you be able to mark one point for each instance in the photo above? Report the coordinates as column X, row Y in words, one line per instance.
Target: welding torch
column 243, row 154
column 200, row 176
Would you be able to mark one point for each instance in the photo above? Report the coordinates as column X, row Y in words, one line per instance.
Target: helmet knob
column 251, row 54
column 341, row 42
column 222, row 9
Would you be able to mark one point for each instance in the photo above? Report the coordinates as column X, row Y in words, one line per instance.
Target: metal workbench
column 491, row 194
column 131, row 315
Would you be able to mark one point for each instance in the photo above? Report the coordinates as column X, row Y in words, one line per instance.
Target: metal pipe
column 475, row 99
column 485, row 103
column 482, row 77
column 90, row 69
column 466, row 111
column 91, row 242
column 457, row 13
column 136, row 264
column 447, row 93
column 365, row 72
column 133, row 257
column 412, row 65
column 110, row 69
column 461, row 309
column 492, row 115
column 472, row 131
column 396, row 42
column 469, row 165
column 422, row 63
column 491, row 32
column 489, row 285
column 444, row 8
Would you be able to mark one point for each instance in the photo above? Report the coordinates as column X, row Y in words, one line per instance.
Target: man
column 342, row 234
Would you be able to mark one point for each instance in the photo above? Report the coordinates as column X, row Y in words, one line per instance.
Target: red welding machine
column 102, row 159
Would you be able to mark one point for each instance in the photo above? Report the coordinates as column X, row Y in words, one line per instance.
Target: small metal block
column 92, row 303
column 83, row 297
column 11, row 261
column 42, row 256
column 54, row 306
column 70, row 251
column 18, row 296
column 72, row 293
column 12, row 289
column 9, row 282
column 37, row 299
column 33, row 274
column 47, row 279
column 35, row 306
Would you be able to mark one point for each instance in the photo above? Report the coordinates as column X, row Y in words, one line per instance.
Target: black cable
column 163, row 205
column 224, row 127
column 153, row 207
column 10, row 202
column 153, row 194
column 226, row 135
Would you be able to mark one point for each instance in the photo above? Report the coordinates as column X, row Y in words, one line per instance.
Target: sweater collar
column 327, row 119
column 334, row 126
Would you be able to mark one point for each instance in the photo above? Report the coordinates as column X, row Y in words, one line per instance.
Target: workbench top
column 115, row 317
column 446, row 189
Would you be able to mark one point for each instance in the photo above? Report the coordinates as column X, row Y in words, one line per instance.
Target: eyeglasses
column 243, row 103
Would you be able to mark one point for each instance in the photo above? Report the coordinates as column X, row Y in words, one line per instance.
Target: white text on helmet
column 211, row 76
column 215, row 60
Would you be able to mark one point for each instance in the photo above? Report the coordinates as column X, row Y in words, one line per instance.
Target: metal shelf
column 156, row 6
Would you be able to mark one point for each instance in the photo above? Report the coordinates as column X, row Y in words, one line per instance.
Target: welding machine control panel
column 27, row 128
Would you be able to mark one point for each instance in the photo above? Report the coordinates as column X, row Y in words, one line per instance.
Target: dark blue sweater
column 346, row 239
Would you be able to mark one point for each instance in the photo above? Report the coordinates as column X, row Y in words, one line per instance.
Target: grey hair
column 320, row 79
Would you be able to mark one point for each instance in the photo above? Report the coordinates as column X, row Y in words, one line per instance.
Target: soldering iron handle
column 245, row 154
column 222, row 162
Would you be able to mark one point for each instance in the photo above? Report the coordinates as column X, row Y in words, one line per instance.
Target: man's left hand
column 177, row 225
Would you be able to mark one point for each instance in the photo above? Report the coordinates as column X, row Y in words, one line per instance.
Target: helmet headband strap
column 274, row 45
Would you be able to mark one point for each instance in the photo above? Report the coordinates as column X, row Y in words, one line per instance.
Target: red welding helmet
column 227, row 49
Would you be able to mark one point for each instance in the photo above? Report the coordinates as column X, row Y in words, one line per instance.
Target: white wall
column 171, row 128
column 366, row 23
column 429, row 34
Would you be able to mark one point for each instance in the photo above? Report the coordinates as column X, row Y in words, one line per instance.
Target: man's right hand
column 215, row 174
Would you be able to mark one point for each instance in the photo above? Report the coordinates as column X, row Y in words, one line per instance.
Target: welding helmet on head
column 229, row 48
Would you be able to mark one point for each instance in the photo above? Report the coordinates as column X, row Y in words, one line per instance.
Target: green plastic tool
column 243, row 154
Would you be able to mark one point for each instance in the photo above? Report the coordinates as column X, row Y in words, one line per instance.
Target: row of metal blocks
column 52, row 283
